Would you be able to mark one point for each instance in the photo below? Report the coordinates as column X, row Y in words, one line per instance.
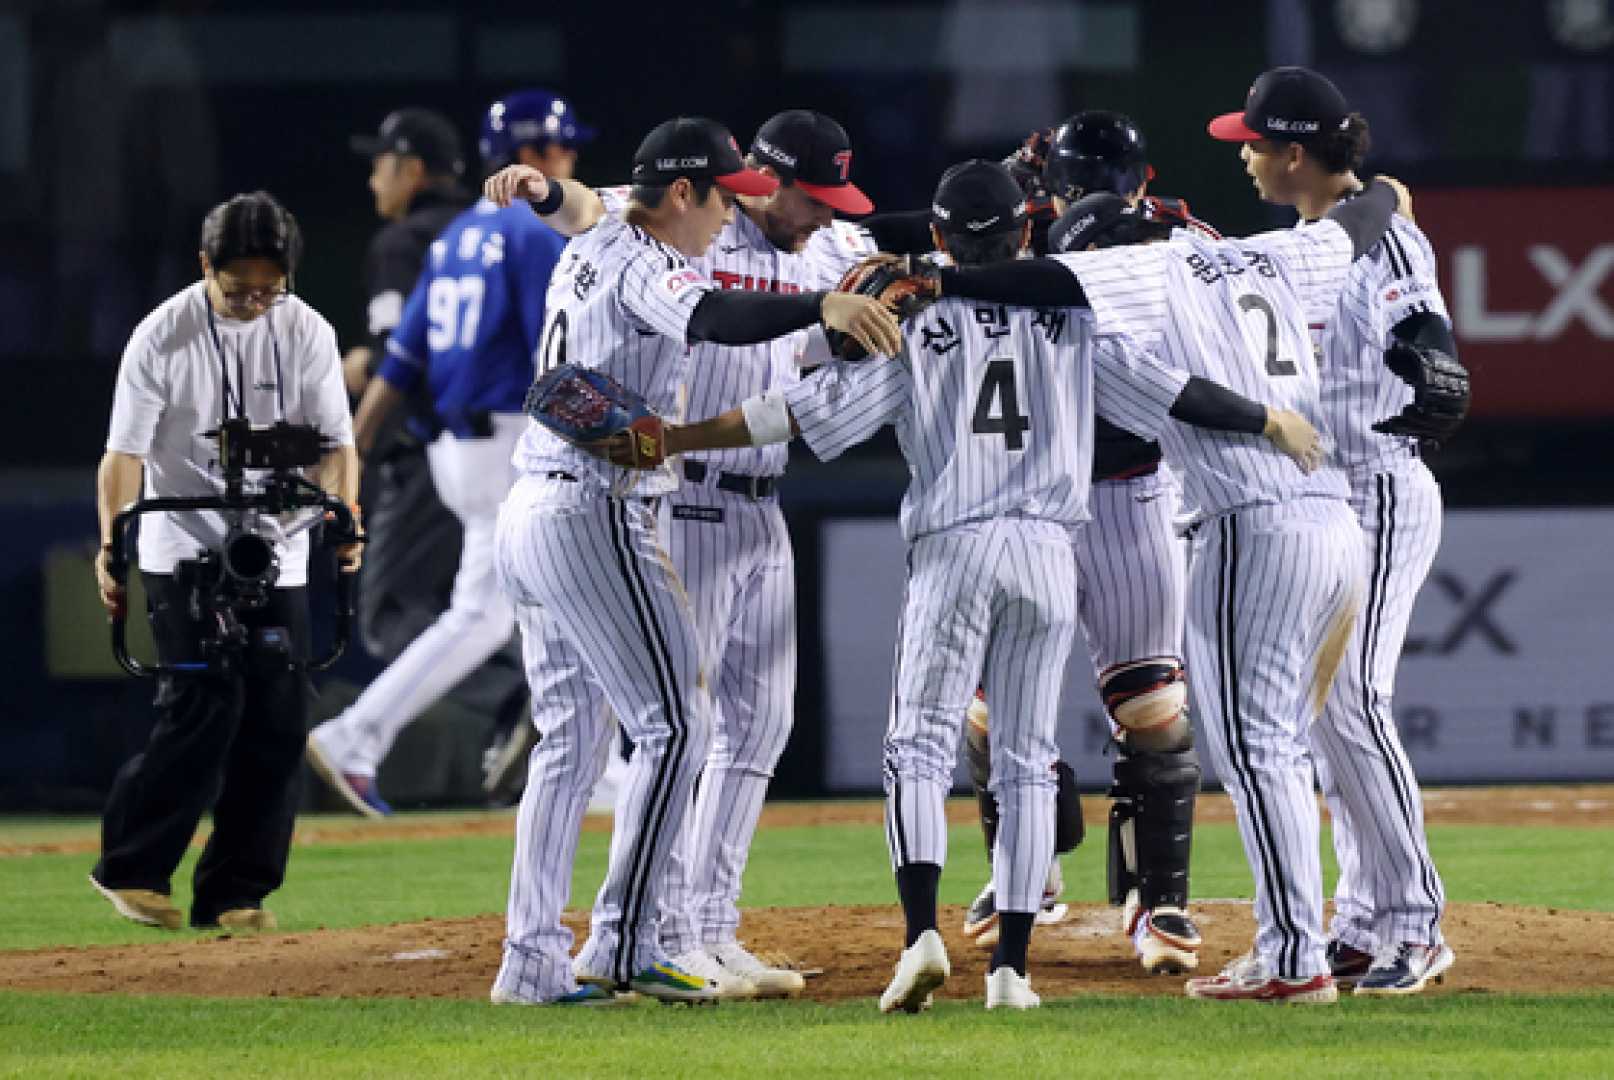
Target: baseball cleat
column 981, row 920
column 1407, row 970
column 667, row 982
column 770, row 982
column 922, row 968
column 1008, row 989
column 1347, row 963
column 1165, row 939
column 587, row 995
column 1246, row 979
column 143, row 906
column 730, row 985
column 359, row 792
column 243, row 918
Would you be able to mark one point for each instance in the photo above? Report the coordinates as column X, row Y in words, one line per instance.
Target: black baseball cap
column 977, row 198
column 698, row 149
column 1292, row 104
column 810, row 150
column 422, row 133
column 1108, row 220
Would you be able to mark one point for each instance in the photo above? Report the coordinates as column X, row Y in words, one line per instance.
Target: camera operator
column 234, row 345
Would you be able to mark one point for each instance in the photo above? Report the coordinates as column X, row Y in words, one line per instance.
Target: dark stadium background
column 120, row 124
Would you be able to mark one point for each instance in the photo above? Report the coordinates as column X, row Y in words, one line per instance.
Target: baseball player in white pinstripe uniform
column 1133, row 570
column 1275, row 577
column 579, row 551
column 729, row 543
column 1389, row 899
column 994, row 412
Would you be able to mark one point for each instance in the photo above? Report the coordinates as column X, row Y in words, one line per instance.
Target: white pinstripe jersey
column 722, row 376
column 619, row 302
column 993, row 408
column 1235, row 312
column 1395, row 279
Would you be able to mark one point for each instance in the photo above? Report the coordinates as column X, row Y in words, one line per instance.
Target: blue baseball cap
column 528, row 118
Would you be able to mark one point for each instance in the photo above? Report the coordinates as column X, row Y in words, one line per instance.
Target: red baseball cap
column 1291, row 104
column 812, row 151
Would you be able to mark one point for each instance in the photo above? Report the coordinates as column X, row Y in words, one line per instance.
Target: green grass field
column 45, row 901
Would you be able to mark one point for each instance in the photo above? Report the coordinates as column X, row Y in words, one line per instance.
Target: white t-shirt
column 172, row 384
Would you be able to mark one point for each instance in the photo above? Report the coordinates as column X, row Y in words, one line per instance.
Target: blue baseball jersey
column 471, row 326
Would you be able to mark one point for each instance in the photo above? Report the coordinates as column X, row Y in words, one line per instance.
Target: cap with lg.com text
column 1290, row 104
column 698, row 149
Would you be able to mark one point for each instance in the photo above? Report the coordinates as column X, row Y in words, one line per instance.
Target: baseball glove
column 1025, row 165
column 905, row 285
column 1440, row 392
column 594, row 412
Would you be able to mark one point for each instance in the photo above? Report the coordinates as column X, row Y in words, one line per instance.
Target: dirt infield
column 1500, row 949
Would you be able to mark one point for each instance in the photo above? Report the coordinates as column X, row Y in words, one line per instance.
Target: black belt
column 755, row 487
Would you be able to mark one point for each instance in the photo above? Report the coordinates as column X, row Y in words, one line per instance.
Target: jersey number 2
column 1275, row 365
column 445, row 298
column 1010, row 422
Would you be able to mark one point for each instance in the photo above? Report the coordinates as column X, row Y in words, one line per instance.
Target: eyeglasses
column 262, row 296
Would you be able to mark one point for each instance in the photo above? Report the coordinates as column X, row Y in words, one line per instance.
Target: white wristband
column 767, row 417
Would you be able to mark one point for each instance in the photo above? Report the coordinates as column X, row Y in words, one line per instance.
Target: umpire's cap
column 977, row 198
column 1107, row 220
column 531, row 117
column 413, row 132
column 1096, row 150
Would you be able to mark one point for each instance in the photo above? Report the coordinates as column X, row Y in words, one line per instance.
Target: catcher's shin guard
column 1151, row 826
column 1069, row 828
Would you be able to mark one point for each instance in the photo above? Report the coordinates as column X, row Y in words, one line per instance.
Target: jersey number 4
column 998, row 387
column 453, row 309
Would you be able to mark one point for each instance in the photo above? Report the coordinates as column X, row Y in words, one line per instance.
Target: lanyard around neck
column 237, row 395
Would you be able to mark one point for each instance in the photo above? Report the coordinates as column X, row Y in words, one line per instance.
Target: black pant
column 233, row 743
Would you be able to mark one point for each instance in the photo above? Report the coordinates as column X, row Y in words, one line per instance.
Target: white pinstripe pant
column 740, row 575
column 1133, row 571
column 604, row 620
column 1266, row 585
column 1389, row 890
column 990, row 604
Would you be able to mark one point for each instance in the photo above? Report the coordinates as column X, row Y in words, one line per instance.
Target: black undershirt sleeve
column 1427, row 329
column 1366, row 217
column 1207, row 404
column 742, row 317
column 901, row 232
column 1022, row 282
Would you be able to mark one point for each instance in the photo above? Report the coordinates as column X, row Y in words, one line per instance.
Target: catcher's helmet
column 1096, row 150
column 527, row 118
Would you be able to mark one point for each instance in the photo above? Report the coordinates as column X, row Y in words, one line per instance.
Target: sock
column 917, row 884
column 1014, row 938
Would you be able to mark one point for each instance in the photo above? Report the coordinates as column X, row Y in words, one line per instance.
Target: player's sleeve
column 1131, row 388
column 1125, row 288
column 1315, row 260
column 138, row 399
column 324, row 395
column 842, row 404
column 833, row 250
column 534, row 252
column 1408, row 284
column 404, row 361
column 394, row 264
column 658, row 288
column 614, row 199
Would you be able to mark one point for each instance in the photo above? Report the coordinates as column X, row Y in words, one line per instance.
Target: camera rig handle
column 282, row 492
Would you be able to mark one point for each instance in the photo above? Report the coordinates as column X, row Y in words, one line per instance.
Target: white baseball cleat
column 922, row 968
column 730, row 985
column 1008, row 989
column 768, row 982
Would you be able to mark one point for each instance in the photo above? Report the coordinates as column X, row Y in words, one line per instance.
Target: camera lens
column 250, row 559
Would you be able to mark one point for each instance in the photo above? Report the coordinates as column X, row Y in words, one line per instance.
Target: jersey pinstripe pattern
column 618, row 302
column 733, row 554
column 1389, row 890
column 993, row 408
column 1132, row 570
column 1275, row 572
column 590, row 579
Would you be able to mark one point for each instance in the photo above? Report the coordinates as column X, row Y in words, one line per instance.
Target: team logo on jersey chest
column 731, row 280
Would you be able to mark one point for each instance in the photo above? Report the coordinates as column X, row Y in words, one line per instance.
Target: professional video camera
column 236, row 578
